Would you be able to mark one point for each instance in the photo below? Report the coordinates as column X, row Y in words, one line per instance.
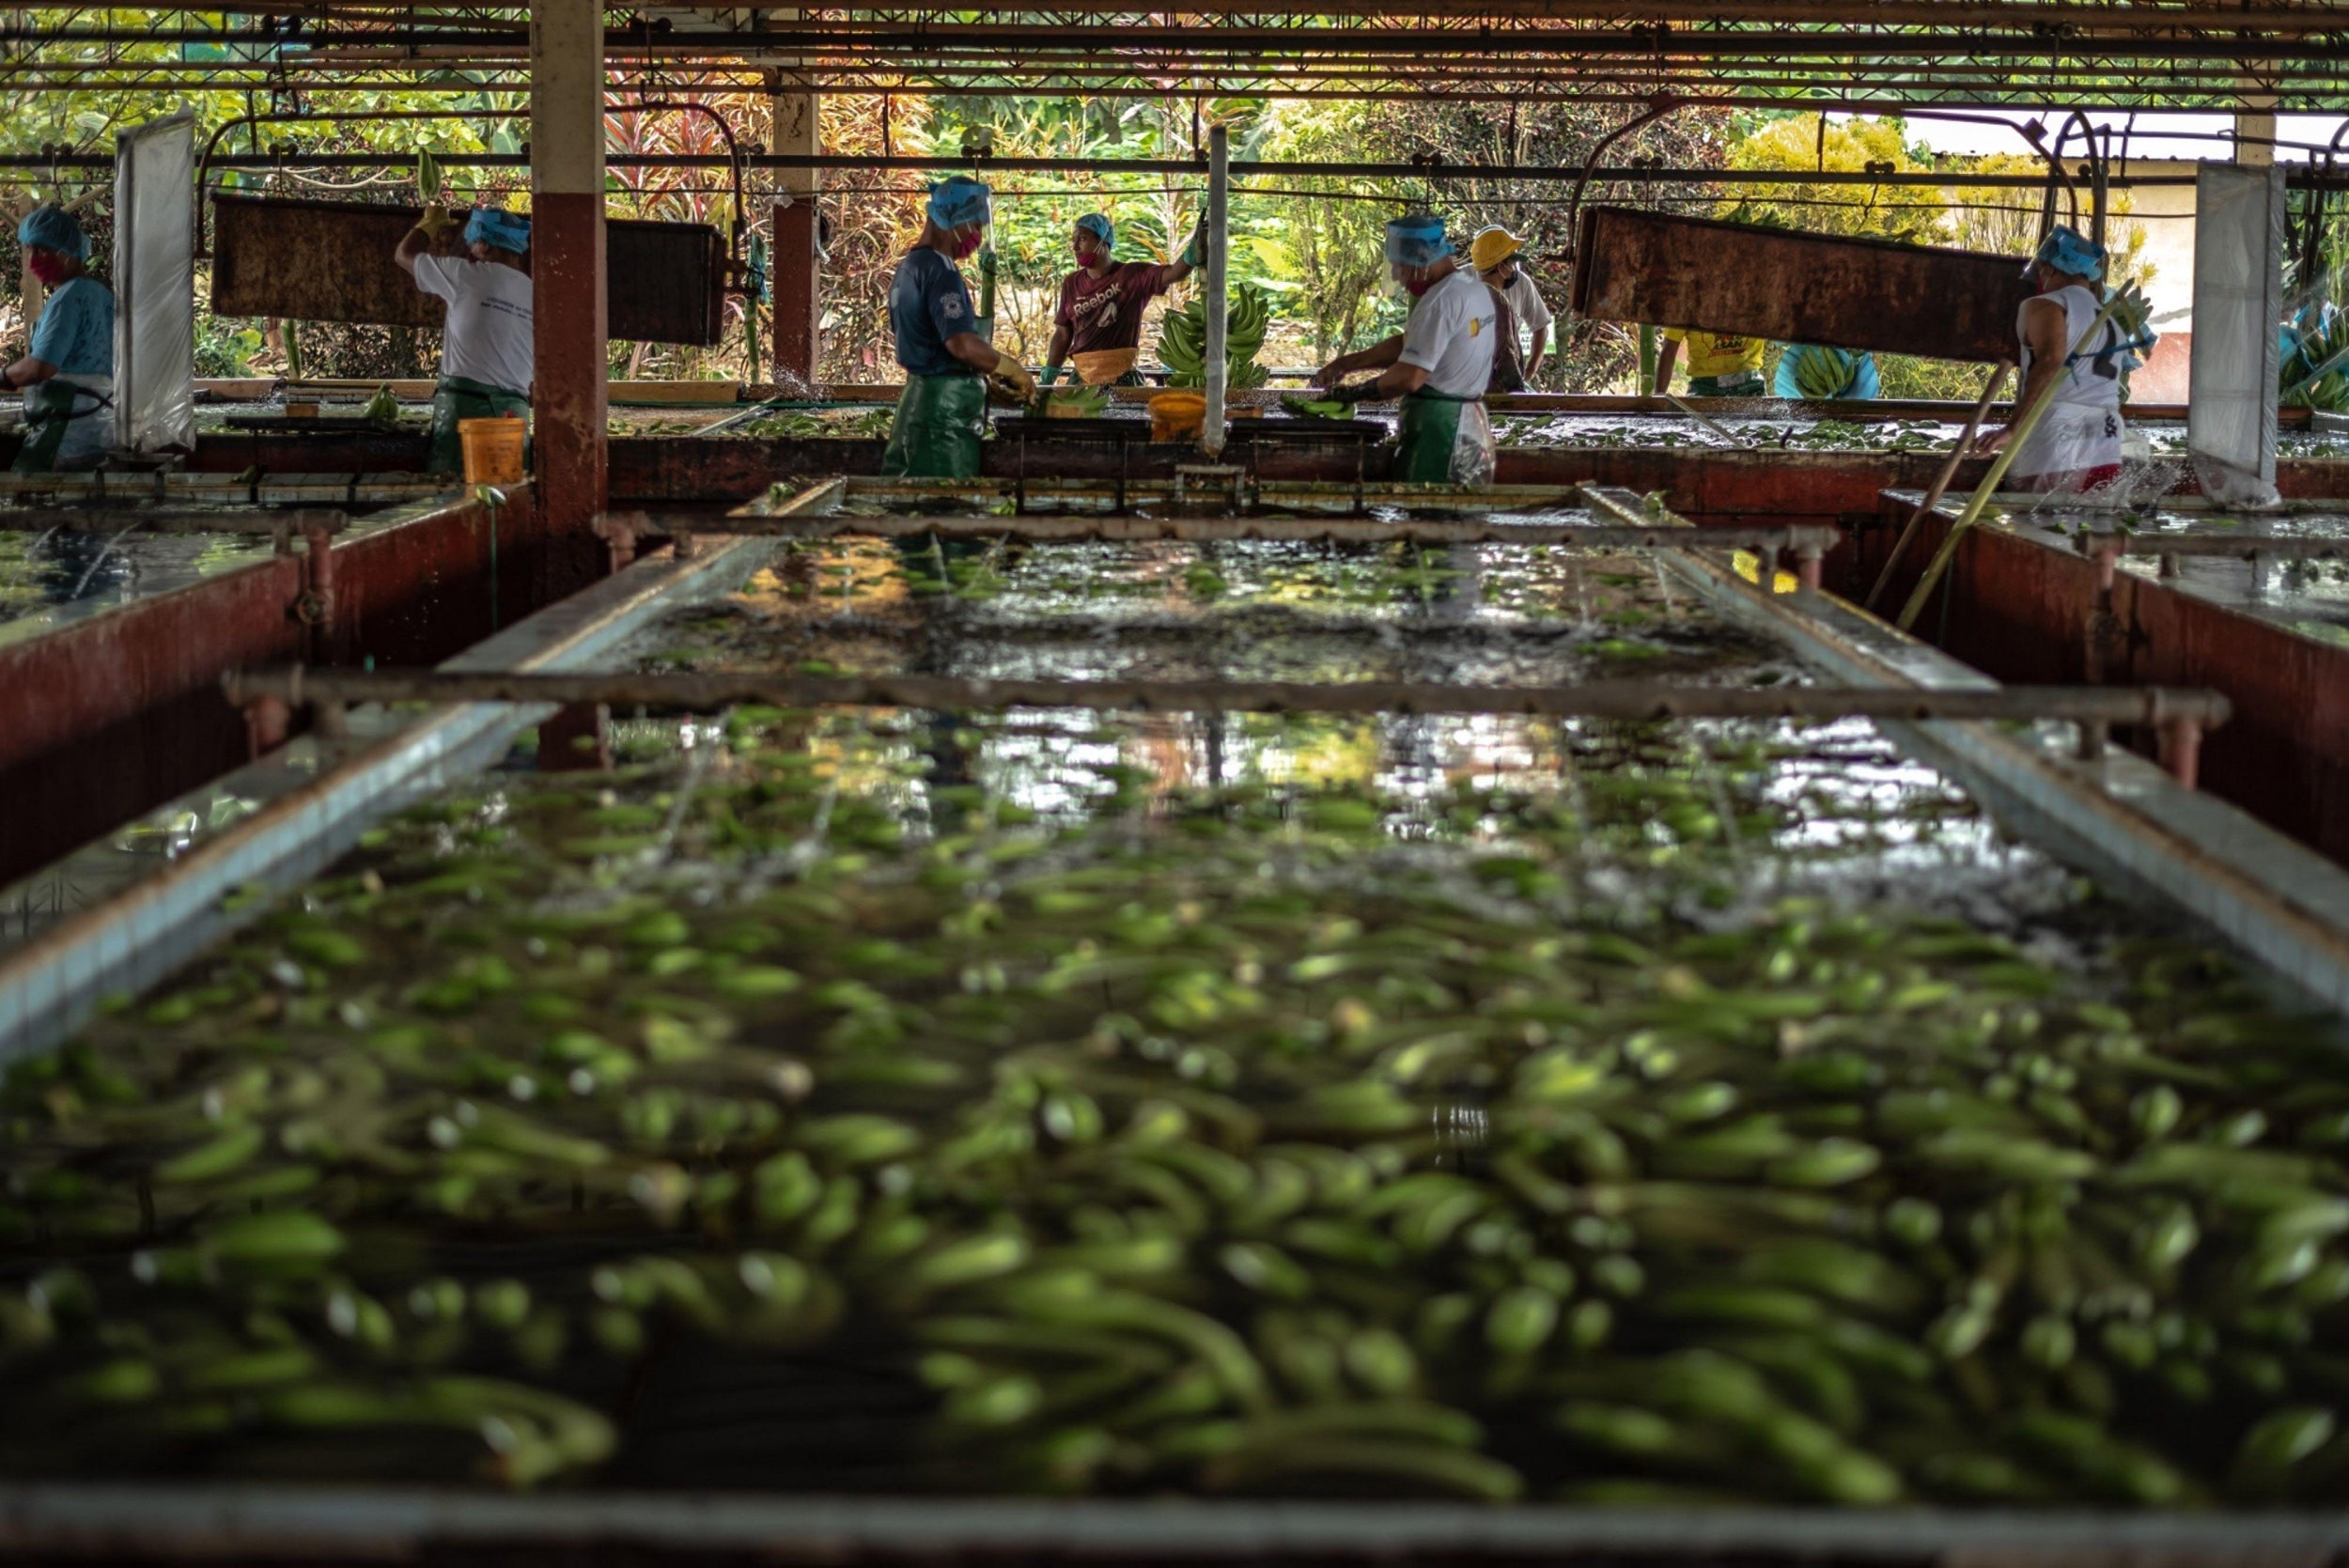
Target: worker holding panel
column 486, row 360
column 68, row 372
column 1099, row 319
column 2077, row 445
column 942, row 410
column 1439, row 365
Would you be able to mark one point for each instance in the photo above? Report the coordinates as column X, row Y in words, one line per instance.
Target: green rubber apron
column 1442, row 440
column 936, row 433
column 455, row 398
column 66, row 421
column 1745, row 384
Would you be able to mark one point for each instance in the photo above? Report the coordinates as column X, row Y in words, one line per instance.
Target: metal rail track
column 1804, row 539
column 2115, row 813
column 344, row 1524
column 308, row 817
column 705, row 692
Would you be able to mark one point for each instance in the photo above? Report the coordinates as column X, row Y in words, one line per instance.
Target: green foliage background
column 1313, row 242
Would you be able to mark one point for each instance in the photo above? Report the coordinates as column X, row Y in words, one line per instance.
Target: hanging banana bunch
column 1183, row 340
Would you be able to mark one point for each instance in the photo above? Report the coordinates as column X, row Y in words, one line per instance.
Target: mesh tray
column 1088, row 430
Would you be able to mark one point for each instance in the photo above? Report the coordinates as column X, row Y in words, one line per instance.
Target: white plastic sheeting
column 155, row 285
column 2238, row 301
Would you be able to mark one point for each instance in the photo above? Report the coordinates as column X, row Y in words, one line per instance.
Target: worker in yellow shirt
column 1720, row 365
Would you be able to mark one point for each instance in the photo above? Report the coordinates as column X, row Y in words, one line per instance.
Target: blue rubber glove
column 1052, row 374
column 1191, row 254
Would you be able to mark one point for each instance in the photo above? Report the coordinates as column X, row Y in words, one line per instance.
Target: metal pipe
column 1241, row 169
column 704, row 691
column 734, row 161
column 1065, row 528
column 2235, row 547
column 114, row 520
column 2234, row 40
column 1218, row 301
column 1941, row 480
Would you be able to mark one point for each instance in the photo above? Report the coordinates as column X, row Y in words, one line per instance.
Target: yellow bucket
column 494, row 449
column 1176, row 415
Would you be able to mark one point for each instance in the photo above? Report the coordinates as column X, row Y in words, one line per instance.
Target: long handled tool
column 2015, row 440
column 1940, row 481
column 1720, row 431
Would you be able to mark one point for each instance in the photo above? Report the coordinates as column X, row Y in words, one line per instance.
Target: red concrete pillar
column 799, row 306
column 567, row 261
column 798, row 264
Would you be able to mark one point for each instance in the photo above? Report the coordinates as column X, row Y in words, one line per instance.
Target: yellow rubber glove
column 436, row 223
column 1013, row 377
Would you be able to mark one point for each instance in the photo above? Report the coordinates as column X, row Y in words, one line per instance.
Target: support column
column 799, row 263
column 567, row 261
column 1216, row 281
column 2255, row 123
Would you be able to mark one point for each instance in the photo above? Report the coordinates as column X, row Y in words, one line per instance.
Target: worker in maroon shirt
column 1100, row 319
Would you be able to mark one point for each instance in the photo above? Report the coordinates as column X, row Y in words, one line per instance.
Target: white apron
column 2081, row 427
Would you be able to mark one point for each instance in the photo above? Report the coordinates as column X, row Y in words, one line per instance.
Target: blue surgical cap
column 1417, row 240
column 958, row 200
column 507, row 231
column 1098, row 225
column 2067, row 250
column 53, row 228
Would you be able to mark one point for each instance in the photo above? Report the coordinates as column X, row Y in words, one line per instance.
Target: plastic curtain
column 155, row 285
column 2239, row 300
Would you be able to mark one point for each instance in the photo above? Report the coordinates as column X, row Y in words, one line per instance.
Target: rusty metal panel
column 332, row 261
column 1775, row 282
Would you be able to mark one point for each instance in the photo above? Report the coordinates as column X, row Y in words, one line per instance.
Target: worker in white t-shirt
column 1494, row 255
column 1439, row 365
column 486, row 355
column 2075, row 445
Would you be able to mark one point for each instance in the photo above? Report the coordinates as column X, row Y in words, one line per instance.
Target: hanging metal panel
column 332, row 261
column 1793, row 287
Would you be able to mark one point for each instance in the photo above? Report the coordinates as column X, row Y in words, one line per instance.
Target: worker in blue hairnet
column 2075, row 445
column 1439, row 365
column 942, row 410
column 487, row 364
column 1099, row 319
column 68, row 373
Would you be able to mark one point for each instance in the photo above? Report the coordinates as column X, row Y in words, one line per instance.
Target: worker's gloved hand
column 1354, row 394
column 1052, row 374
column 1194, row 250
column 436, row 223
column 1013, row 377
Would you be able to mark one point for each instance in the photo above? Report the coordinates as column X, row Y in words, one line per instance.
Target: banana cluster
column 1221, row 1147
column 1821, row 374
column 1183, row 340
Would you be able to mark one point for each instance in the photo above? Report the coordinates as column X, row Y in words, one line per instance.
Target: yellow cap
column 1492, row 246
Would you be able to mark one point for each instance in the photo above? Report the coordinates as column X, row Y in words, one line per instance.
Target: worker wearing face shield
column 2076, row 444
column 1098, row 326
column 942, row 411
column 487, row 356
column 1439, row 365
column 67, row 374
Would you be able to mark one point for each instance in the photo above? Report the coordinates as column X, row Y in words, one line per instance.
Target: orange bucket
column 494, row 449
column 1176, row 415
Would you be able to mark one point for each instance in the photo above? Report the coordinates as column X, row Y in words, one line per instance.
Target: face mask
column 1085, row 254
column 968, row 247
column 1417, row 288
column 49, row 268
